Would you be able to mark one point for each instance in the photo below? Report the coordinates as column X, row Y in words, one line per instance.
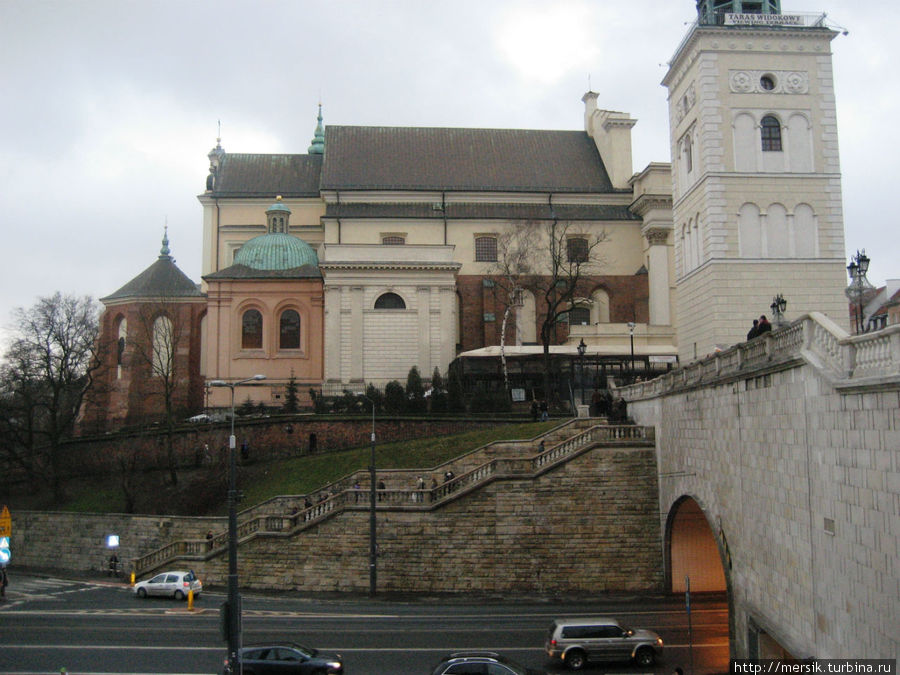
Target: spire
column 164, row 251
column 317, row 147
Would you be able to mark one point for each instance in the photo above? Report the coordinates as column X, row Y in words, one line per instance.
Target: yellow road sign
column 5, row 523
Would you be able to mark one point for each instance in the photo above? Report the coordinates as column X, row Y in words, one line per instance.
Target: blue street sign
column 4, row 556
column 4, row 542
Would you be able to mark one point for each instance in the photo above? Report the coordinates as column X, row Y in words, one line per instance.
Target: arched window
column 289, row 330
column 120, row 346
column 688, row 154
column 771, row 134
column 393, row 240
column 163, row 346
column 600, row 306
column 251, row 330
column 389, row 301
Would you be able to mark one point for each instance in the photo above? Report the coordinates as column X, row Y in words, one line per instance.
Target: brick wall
column 628, row 301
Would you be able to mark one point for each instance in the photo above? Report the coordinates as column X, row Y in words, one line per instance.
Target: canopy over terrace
column 573, row 376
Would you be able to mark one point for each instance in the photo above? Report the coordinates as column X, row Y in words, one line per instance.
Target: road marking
column 362, row 650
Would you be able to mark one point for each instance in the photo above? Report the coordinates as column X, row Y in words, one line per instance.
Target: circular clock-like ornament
column 741, row 81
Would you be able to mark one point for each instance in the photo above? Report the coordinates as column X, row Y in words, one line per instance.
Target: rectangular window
column 485, row 249
column 577, row 249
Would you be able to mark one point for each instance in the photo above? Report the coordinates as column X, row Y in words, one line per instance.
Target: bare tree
column 554, row 261
column 161, row 334
column 47, row 368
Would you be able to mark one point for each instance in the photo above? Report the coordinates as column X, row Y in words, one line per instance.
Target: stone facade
column 584, row 527
column 753, row 218
column 582, row 521
column 791, row 446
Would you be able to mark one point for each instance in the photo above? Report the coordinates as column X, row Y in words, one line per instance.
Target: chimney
column 611, row 132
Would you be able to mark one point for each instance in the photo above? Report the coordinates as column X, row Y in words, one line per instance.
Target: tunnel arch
column 694, row 549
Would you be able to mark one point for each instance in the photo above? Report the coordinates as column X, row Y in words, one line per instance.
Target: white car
column 174, row 584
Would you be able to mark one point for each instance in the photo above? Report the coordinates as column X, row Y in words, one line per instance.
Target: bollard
column 191, row 600
column 132, row 578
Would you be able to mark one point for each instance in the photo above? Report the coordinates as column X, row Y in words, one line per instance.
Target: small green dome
column 278, row 206
column 276, row 252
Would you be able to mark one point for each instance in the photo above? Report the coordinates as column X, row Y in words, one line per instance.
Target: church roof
column 256, row 175
column 416, row 158
column 419, row 211
column 413, row 158
column 161, row 280
column 237, row 271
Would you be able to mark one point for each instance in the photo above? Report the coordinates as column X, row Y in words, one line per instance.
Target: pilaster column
column 658, row 254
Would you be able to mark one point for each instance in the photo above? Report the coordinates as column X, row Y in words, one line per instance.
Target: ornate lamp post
column 631, row 325
column 233, row 613
column 859, row 284
column 779, row 304
column 582, row 348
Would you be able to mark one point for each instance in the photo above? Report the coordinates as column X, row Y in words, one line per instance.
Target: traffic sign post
column 5, row 523
column 5, row 534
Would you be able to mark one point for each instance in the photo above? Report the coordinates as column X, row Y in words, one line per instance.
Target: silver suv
column 577, row 641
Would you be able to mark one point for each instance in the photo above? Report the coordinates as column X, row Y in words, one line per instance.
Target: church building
column 384, row 248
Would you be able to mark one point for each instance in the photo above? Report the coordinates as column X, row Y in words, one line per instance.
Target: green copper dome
column 276, row 252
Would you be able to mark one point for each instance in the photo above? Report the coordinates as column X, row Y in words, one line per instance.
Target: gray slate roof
column 256, row 175
column 481, row 211
column 162, row 279
column 413, row 158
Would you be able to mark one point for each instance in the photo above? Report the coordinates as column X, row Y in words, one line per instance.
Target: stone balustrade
column 340, row 495
column 852, row 360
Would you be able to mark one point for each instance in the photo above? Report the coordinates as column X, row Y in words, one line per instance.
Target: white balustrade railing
column 875, row 354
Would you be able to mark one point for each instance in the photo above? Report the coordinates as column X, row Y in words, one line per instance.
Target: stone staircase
column 286, row 515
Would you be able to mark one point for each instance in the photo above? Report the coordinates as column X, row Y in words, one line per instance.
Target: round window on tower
column 767, row 82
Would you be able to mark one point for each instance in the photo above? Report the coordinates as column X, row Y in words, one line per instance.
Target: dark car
column 286, row 657
column 481, row 663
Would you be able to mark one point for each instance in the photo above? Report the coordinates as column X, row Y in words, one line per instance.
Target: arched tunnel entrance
column 692, row 550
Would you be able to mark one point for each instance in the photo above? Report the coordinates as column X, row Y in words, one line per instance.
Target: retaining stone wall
column 589, row 525
column 802, row 483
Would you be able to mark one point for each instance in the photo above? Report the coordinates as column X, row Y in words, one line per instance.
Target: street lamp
column 582, row 348
column 631, row 333
column 859, row 284
column 373, row 575
column 233, row 612
column 779, row 304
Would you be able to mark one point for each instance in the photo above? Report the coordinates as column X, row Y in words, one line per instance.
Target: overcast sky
column 108, row 108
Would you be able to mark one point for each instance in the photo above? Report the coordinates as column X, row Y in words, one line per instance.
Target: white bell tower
column 756, row 175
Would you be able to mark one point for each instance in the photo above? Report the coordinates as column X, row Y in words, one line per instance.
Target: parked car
column 480, row 663
column 175, row 584
column 577, row 641
column 286, row 657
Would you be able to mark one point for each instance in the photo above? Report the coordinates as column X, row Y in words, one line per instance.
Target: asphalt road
column 87, row 627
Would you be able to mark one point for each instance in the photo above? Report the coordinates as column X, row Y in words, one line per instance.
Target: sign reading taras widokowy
column 763, row 20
